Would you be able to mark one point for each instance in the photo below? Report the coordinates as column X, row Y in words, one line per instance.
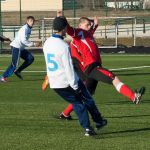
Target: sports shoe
column 138, row 95
column 18, row 74
column 45, row 83
column 2, row 79
column 63, row 117
column 90, row 132
column 101, row 124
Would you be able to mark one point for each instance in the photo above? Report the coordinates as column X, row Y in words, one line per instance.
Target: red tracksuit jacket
column 84, row 44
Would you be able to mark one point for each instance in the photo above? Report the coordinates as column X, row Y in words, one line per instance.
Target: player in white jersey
column 65, row 82
column 18, row 50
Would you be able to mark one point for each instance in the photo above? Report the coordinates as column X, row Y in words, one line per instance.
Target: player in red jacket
column 85, row 45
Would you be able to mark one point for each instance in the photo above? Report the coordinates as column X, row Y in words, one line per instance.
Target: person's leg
column 29, row 59
column 91, row 106
column 66, row 112
column 45, row 83
column 27, row 56
column 14, row 63
column 91, row 85
column 80, row 109
column 101, row 74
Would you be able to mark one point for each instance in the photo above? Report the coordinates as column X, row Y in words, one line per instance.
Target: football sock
column 125, row 90
column 68, row 110
column 45, row 83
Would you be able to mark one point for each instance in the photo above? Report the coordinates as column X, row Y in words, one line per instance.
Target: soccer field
column 28, row 116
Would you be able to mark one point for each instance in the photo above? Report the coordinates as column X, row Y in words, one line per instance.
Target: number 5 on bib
column 52, row 64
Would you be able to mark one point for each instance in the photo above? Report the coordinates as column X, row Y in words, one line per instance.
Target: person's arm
column 95, row 25
column 73, row 32
column 94, row 29
column 3, row 39
column 70, row 30
column 24, row 38
column 70, row 73
column 26, row 42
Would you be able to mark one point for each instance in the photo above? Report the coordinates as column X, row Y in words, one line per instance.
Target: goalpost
column 110, row 29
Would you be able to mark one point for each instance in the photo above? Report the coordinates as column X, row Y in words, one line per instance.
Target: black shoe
column 61, row 116
column 138, row 95
column 18, row 74
column 101, row 124
column 90, row 132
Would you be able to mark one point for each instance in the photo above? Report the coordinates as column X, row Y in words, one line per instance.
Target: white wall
column 32, row 5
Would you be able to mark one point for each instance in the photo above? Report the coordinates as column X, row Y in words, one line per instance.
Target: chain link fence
column 78, row 8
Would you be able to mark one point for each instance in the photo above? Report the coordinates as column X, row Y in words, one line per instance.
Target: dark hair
column 31, row 17
column 59, row 23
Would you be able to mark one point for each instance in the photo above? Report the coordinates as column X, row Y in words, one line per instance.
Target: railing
column 110, row 27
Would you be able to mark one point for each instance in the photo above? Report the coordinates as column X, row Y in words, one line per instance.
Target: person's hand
column 59, row 13
column 96, row 20
column 7, row 39
column 4, row 39
column 38, row 44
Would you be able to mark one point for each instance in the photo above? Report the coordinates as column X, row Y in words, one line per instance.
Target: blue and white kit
column 18, row 51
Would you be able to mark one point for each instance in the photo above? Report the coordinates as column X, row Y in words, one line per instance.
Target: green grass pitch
column 28, row 115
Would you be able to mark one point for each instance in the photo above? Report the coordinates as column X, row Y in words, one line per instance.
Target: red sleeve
column 73, row 32
column 92, row 31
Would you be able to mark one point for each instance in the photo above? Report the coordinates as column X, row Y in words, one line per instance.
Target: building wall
column 32, row 5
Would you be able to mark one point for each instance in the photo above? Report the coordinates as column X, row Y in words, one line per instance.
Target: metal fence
column 109, row 33
column 112, row 32
column 109, row 8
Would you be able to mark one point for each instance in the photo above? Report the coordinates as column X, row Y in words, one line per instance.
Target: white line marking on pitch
column 109, row 55
column 7, row 56
column 128, row 68
column 117, row 69
column 36, row 71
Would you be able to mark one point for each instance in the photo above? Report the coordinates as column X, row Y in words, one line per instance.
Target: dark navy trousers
column 16, row 55
column 81, row 105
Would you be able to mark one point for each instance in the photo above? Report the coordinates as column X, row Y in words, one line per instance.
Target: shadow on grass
column 120, row 133
column 119, row 102
column 57, row 117
column 133, row 116
column 125, row 102
column 128, row 131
